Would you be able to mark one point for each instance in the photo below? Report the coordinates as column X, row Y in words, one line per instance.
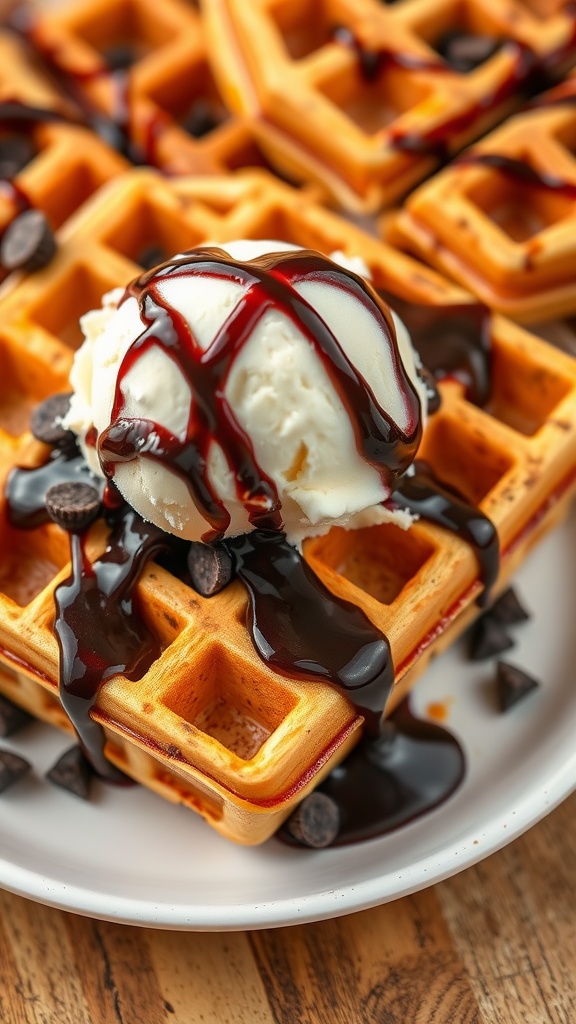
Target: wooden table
column 494, row 945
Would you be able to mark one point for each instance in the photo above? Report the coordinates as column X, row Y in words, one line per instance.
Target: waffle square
column 502, row 220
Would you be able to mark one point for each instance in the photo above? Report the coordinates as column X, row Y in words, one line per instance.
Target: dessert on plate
column 239, row 703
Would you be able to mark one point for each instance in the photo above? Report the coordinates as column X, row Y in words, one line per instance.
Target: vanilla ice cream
column 278, row 391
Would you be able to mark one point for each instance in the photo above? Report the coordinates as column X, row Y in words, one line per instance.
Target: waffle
column 69, row 162
column 370, row 113
column 504, row 231
column 209, row 724
column 144, row 66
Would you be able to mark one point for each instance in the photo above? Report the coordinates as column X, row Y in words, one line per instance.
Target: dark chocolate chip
column 12, row 717
column 73, row 506
column 28, row 242
column 512, row 685
column 46, row 421
column 316, row 821
column 15, row 152
column 200, row 119
column 12, row 768
column 488, row 639
column 464, row 51
column 151, row 256
column 507, row 610
column 111, row 133
column 73, row 772
column 210, row 567
column 120, row 56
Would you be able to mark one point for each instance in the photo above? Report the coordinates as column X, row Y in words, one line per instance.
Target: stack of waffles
column 209, row 724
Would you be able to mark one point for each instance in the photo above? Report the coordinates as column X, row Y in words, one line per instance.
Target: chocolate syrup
column 393, row 779
column 113, row 128
column 452, row 340
column 99, row 628
column 521, row 172
column 301, row 629
column 270, row 284
column 421, row 493
column 529, row 74
column 20, row 118
column 26, row 488
column 373, row 62
column 22, row 115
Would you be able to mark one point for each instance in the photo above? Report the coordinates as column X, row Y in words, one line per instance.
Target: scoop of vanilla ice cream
column 281, row 395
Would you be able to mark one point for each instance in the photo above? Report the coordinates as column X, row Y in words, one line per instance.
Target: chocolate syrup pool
column 296, row 624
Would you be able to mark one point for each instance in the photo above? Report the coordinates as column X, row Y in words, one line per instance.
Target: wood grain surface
column 493, row 945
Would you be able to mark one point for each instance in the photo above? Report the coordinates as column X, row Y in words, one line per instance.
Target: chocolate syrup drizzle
column 299, row 628
column 270, row 283
column 421, row 493
column 520, row 171
column 296, row 624
column 26, row 488
column 529, row 74
column 99, row 627
column 113, row 128
column 452, row 340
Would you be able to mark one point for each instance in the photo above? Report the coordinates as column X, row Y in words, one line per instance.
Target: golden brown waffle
column 69, row 164
column 507, row 234
column 166, row 99
column 370, row 127
column 209, row 724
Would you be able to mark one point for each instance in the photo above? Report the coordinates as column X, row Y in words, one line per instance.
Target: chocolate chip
column 15, row 152
column 151, row 256
column 200, row 119
column 12, row 768
column 210, row 567
column 119, row 56
column 73, row 506
column 73, row 772
column 465, row 51
column 28, row 242
column 512, row 685
column 12, row 717
column 507, row 610
column 46, row 422
column 316, row 821
column 488, row 639
column 111, row 133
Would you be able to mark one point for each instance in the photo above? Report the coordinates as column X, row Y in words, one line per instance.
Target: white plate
column 130, row 857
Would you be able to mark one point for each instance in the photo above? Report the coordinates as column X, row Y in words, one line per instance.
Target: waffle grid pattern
column 209, row 725
column 321, row 118
column 167, row 98
column 511, row 242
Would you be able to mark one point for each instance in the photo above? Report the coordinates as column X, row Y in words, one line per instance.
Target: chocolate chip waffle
column 209, row 724
column 367, row 99
column 49, row 162
column 501, row 220
column 144, row 67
